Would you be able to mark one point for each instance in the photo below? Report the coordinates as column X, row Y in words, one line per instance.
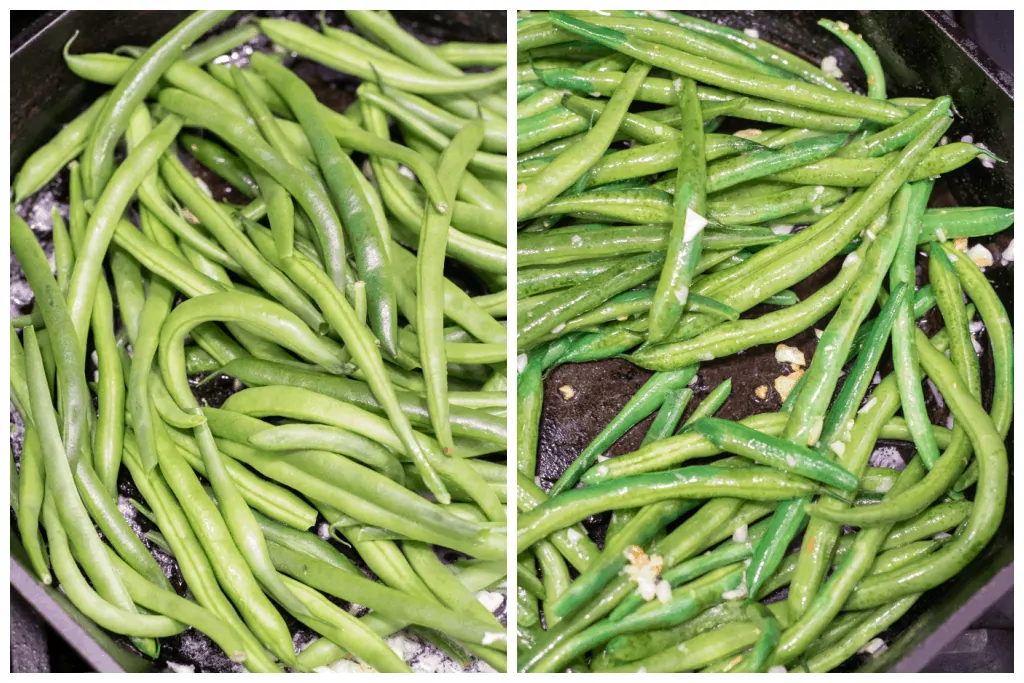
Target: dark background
column 992, row 30
column 37, row 648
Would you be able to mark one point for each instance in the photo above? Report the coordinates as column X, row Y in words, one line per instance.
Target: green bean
column 141, row 76
column 572, row 542
column 480, row 254
column 840, row 227
column 710, row 405
column 683, row 606
column 471, row 54
column 862, row 172
column 529, row 404
column 343, row 319
column 262, row 496
column 103, row 221
column 638, row 531
column 465, row 422
column 366, row 236
column 169, row 604
column 767, row 450
column 728, row 172
column 30, row 491
column 821, row 536
column 75, row 403
column 968, row 221
column 222, row 162
column 227, row 306
column 429, row 287
column 764, row 208
column 63, row 252
column 323, row 437
column 622, row 276
column 903, row 349
column 869, row 626
column 47, row 161
column 685, row 241
column 319, row 48
column 388, row 602
column 231, row 567
column 865, row 55
column 783, row 90
column 730, row 337
column 222, row 43
column 443, row 583
column 129, row 289
column 696, row 482
column 893, row 137
column 109, row 429
column 659, row 91
column 827, row 603
column 111, row 598
column 981, row 429
column 857, row 379
column 371, row 426
column 193, row 562
column 642, row 404
column 757, row 48
column 117, row 617
column 240, row 135
column 572, row 164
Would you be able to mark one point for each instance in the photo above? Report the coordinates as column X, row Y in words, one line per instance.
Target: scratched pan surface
column 923, row 55
column 44, row 96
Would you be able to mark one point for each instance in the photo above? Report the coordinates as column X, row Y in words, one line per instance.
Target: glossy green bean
column 767, row 450
column 572, row 542
column 755, row 483
column 964, row 221
column 573, row 163
column 639, row 406
column 783, row 90
column 224, row 163
column 862, row 172
column 686, row 239
column 867, row 57
column 757, row 48
column 365, row 236
column 730, row 337
column 623, row 275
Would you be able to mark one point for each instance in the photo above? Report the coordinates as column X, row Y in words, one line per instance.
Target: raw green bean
column 141, row 76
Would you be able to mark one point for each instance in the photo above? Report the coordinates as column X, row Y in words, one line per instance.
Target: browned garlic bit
column 789, row 354
column 748, row 133
column 785, row 383
column 567, row 392
column 761, row 392
column 644, row 570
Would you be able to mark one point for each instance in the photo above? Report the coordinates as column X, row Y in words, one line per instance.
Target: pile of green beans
column 368, row 401
column 649, row 234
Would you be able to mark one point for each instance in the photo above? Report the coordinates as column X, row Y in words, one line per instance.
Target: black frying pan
column 924, row 54
column 44, row 96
